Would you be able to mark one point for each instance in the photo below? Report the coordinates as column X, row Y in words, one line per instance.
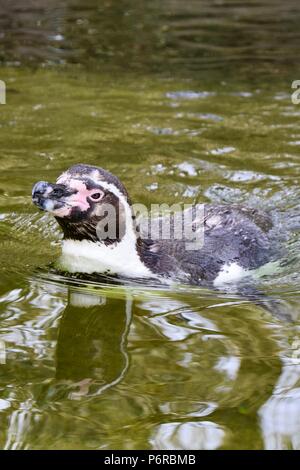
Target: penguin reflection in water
column 91, row 354
column 97, row 356
column 236, row 239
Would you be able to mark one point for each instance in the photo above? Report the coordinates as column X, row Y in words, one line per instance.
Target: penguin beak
column 52, row 198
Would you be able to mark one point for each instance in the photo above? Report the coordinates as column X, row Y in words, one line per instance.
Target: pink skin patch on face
column 79, row 199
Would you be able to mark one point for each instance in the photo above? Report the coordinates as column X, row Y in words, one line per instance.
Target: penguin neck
column 117, row 257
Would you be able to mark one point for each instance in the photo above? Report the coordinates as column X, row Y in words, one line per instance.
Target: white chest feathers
column 230, row 273
column 95, row 257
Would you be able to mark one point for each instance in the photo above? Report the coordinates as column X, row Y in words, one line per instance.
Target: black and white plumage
column 237, row 239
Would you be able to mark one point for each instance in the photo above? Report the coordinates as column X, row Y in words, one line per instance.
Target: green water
column 183, row 102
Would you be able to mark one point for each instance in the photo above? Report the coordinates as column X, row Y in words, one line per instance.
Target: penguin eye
column 96, row 196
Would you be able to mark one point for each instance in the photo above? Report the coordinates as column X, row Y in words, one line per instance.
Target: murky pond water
column 183, row 101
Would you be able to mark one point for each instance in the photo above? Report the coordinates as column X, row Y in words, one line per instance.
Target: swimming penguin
column 235, row 239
